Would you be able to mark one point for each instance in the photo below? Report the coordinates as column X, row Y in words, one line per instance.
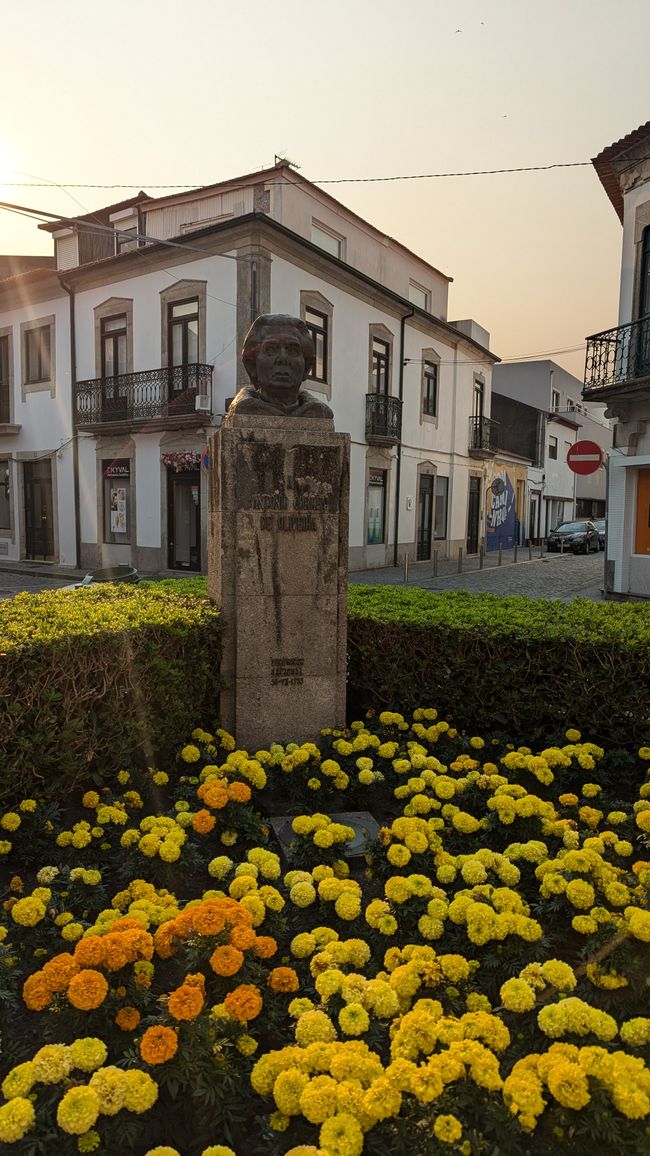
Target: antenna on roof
column 285, row 160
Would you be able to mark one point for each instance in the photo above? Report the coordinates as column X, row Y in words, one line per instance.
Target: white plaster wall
column 88, row 488
column 148, row 505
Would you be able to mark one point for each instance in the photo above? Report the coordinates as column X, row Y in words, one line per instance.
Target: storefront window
column 376, row 507
column 117, row 501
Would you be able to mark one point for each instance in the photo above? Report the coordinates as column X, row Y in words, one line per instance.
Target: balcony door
column 115, row 399
column 5, row 383
column 643, row 339
column 183, row 346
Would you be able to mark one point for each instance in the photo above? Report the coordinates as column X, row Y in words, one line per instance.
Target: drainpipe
column 75, row 437
column 400, row 394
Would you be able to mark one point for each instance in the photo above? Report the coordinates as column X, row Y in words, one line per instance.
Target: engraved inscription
column 287, row 671
column 275, row 501
column 287, row 522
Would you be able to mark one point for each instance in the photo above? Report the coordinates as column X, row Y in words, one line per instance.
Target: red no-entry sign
column 584, row 457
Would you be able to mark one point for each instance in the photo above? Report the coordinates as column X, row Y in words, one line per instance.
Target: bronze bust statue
column 278, row 354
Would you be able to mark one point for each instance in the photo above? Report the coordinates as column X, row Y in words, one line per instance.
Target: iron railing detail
column 483, row 434
column 617, row 356
column 383, row 416
column 152, row 393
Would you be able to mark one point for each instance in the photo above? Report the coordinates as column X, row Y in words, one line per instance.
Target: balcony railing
column 483, row 435
column 383, row 417
column 618, row 356
column 154, row 393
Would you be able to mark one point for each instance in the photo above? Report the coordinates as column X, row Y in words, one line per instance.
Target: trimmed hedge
column 521, row 665
column 95, row 677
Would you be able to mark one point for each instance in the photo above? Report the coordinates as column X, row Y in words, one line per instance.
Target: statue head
column 278, row 354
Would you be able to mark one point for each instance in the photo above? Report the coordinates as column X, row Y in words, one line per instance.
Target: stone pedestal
column 277, row 566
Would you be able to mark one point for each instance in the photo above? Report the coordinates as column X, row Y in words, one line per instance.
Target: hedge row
column 518, row 665
column 91, row 678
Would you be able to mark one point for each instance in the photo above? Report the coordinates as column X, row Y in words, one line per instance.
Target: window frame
column 555, row 400
column 419, row 296
column 107, row 311
column 110, row 537
column 178, row 294
column 47, row 381
column 551, row 450
column 326, row 232
column 7, row 382
column 319, row 336
column 383, row 485
column 428, row 409
column 6, row 496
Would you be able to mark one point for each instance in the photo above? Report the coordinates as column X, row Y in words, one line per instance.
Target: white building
column 537, row 405
column 135, row 356
column 618, row 369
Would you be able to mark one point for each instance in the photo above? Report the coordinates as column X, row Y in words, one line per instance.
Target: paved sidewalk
column 562, row 576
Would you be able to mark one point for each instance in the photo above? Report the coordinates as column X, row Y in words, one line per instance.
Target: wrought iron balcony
column 133, row 397
column 483, row 441
column 618, row 357
column 383, row 418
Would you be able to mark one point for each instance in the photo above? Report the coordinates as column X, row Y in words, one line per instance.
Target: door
column 532, row 518
column 473, row 514
column 5, row 407
column 115, row 399
column 39, row 514
column 425, row 517
column 183, row 345
column 184, row 520
column 643, row 334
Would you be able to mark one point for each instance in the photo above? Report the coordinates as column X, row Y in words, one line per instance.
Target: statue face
column 280, row 363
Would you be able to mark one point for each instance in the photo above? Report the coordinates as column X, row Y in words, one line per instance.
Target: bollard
column 530, row 550
column 406, row 569
column 500, row 552
column 460, row 559
column 435, row 563
column 481, row 556
column 514, row 556
column 561, row 545
column 541, row 547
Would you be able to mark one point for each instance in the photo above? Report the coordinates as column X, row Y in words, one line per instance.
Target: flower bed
column 474, row 983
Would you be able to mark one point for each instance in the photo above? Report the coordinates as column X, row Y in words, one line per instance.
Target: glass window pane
column 327, row 241
column 192, row 342
column 186, row 308
column 177, row 345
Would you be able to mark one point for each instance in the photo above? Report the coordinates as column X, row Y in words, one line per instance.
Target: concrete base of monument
column 366, row 830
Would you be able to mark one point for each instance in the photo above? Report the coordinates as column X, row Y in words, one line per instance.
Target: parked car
column 110, row 574
column 580, row 537
column 599, row 523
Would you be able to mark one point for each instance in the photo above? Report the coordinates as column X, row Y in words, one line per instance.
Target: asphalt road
column 563, row 576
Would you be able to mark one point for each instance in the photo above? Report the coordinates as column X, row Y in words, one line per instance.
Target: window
column 37, row 355
column 317, row 324
column 326, row 239
column 570, row 404
column 418, row 296
column 440, row 507
column 113, row 345
column 126, row 239
column 479, row 394
column 555, row 400
column 184, row 332
column 552, row 448
column 38, row 352
column 430, row 389
column 5, row 382
column 183, row 325
column 380, row 366
column 5, row 496
column 117, row 500
column 376, row 507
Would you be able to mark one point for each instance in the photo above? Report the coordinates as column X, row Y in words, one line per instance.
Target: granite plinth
column 365, row 826
column 277, row 566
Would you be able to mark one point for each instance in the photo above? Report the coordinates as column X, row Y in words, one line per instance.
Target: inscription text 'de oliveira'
column 287, row 522
column 287, row 671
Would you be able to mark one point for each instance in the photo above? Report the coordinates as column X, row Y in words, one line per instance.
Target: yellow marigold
column 28, row 912
column 20, row 1081
column 190, row 754
column 158, row 1044
column 244, row 1003
column 78, row 1110
column 447, row 1129
column 16, row 1119
column 283, row 979
column 342, row 1135
column 87, row 990
column 226, row 960
column 517, row 995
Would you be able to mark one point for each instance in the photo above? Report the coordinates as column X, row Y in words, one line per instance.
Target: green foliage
column 525, row 666
column 88, row 677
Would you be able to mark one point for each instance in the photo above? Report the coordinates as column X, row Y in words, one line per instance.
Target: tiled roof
column 604, row 163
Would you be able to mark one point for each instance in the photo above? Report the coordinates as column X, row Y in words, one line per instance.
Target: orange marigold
column 283, row 979
column 87, row 990
column 244, row 1003
column 186, row 1002
column 91, row 951
column 208, row 919
column 215, row 796
column 127, row 1018
column 158, row 1045
column 36, row 992
column 59, row 970
column 164, row 939
column 264, row 946
column 203, row 822
column 239, row 792
column 242, row 937
column 226, row 960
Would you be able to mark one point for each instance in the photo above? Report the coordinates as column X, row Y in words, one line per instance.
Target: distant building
column 618, row 369
column 118, row 365
column 539, row 416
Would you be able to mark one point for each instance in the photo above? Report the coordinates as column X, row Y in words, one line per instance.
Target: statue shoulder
column 311, row 406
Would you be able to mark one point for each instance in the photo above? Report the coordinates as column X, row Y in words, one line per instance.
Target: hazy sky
column 146, row 92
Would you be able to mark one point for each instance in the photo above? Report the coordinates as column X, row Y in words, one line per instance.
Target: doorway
column 184, row 520
column 425, row 517
column 473, row 514
column 39, row 510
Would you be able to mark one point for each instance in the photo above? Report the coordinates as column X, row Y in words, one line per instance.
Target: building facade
column 617, row 371
column 120, row 364
column 540, row 416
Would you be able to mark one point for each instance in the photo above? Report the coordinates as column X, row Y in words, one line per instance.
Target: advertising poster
column 501, row 514
column 118, row 510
